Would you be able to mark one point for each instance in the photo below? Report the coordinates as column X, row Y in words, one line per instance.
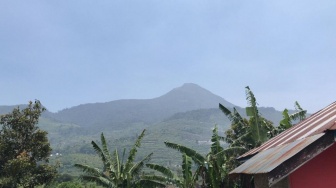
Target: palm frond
column 133, row 151
column 300, row 115
column 123, row 156
column 103, row 142
column 197, row 158
column 134, row 171
column 138, row 141
column 297, row 106
column 116, row 165
column 238, row 119
column 215, row 146
column 241, row 139
column 186, row 169
column 286, row 121
column 231, row 151
column 99, row 151
column 165, row 171
column 199, row 172
column 89, row 170
column 226, row 111
column 250, row 98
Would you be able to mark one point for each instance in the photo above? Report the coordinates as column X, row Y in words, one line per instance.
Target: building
column 303, row 156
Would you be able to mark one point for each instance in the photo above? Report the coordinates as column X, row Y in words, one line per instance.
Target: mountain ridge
column 123, row 113
column 187, row 97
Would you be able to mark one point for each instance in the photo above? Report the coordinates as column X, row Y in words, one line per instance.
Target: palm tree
column 115, row 172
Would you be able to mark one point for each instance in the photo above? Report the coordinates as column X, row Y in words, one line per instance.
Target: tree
column 115, row 172
column 24, row 149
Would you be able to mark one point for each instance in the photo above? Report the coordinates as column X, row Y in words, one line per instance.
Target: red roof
column 319, row 122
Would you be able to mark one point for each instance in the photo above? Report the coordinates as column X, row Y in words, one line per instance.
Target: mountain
column 6, row 109
column 120, row 113
column 184, row 115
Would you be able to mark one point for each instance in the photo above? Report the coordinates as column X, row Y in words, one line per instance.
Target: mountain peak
column 196, row 95
column 191, row 87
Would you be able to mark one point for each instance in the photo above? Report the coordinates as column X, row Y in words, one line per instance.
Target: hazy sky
column 66, row 52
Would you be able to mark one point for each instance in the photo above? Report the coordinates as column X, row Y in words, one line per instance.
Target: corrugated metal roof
column 267, row 160
column 319, row 122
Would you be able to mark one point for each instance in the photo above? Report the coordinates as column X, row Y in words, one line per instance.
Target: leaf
column 186, row 169
column 250, row 111
column 197, row 158
column 226, row 111
column 165, row 171
column 116, row 165
column 133, row 151
column 134, row 171
column 215, row 146
column 99, row 151
column 88, row 169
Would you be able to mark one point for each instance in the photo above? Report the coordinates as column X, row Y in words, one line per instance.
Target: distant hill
column 120, row 113
column 6, row 109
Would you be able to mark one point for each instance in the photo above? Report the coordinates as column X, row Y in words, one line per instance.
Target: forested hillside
column 186, row 114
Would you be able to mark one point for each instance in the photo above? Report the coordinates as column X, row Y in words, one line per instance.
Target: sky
column 66, row 52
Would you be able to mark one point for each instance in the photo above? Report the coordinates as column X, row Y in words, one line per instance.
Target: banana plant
column 115, row 172
column 248, row 133
column 219, row 161
column 212, row 169
column 168, row 177
column 288, row 119
column 258, row 131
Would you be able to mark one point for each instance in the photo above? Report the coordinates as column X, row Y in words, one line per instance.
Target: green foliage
column 259, row 133
column 24, row 149
column 69, row 185
column 251, row 133
column 211, row 170
column 288, row 119
column 115, row 172
column 248, row 133
column 219, row 161
column 188, row 179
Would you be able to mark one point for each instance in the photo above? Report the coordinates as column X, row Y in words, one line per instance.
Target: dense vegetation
column 212, row 169
column 24, row 149
column 200, row 161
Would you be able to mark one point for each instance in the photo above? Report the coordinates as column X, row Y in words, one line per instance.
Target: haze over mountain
column 125, row 113
column 185, row 98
